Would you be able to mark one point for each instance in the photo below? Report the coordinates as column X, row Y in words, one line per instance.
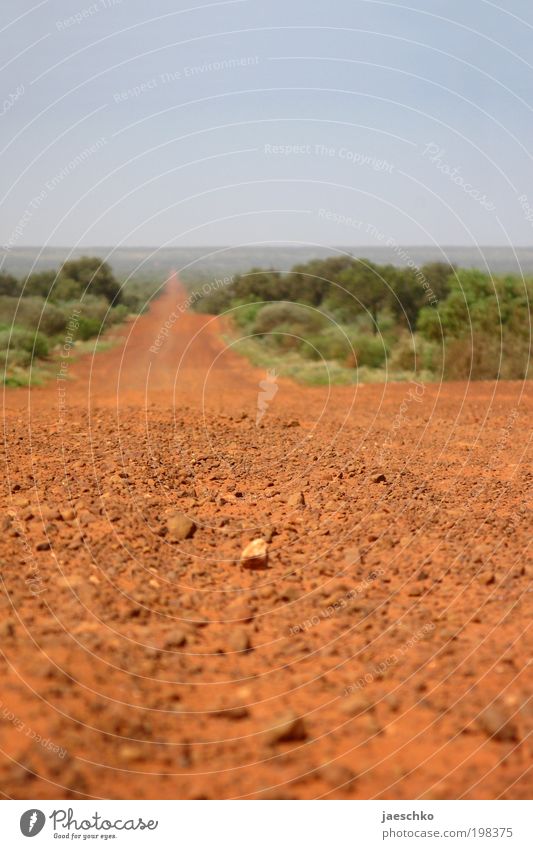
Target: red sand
column 386, row 642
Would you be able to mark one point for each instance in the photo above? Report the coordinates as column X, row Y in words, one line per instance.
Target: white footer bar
column 268, row 824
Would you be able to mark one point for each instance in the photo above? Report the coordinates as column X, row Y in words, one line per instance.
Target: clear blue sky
column 342, row 122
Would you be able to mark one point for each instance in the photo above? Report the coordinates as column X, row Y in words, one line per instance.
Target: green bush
column 93, row 276
column 300, row 319
column 413, row 353
column 482, row 327
column 20, row 339
column 245, row 313
column 8, row 306
column 14, row 358
column 33, row 313
column 331, row 344
column 80, row 301
column 36, row 314
column 9, row 285
column 118, row 314
column 87, row 328
column 370, row 351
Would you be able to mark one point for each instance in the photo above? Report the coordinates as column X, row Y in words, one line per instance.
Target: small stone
column 373, row 725
column 268, row 533
column 238, row 712
column 338, row 776
column 378, row 477
column 7, row 628
column 288, row 729
column 87, row 518
column 180, row 527
column 239, row 640
column 43, row 546
column 68, row 514
column 392, row 701
column 255, row 555
column 496, row 722
column 176, row 640
column 486, row 578
column 240, row 611
column 50, row 514
column 296, row 500
column 289, row 594
column 130, row 753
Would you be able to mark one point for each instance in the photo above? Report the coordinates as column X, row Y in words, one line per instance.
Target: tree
column 260, row 285
column 439, row 276
column 407, row 296
column 9, row 285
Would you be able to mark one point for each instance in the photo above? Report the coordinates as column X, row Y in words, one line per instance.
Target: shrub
column 370, row 351
column 413, row 353
column 118, row 314
column 9, row 285
column 244, row 313
column 87, row 328
column 36, row 314
column 14, row 358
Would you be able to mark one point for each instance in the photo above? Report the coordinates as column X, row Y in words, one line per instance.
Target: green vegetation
column 41, row 312
column 345, row 319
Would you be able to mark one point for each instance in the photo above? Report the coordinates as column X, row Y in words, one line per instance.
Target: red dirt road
column 383, row 653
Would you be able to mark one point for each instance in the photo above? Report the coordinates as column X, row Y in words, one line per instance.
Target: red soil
column 385, row 643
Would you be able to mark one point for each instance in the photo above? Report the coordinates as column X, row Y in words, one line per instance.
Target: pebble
column 177, row 639
column 239, row 712
column 50, row 514
column 355, row 704
column 296, row 500
column 239, row 640
column 130, row 753
column 497, row 723
column 255, row 554
column 338, row 776
column 288, row 729
column 68, row 514
column 486, row 578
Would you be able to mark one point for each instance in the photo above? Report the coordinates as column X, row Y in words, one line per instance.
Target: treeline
column 431, row 321
column 35, row 311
